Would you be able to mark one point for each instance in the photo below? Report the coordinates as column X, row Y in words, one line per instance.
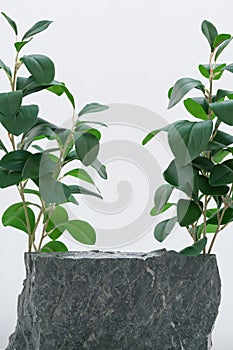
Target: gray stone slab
column 117, row 301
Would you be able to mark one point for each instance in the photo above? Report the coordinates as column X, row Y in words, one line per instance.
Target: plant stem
column 204, row 215
column 218, row 229
column 30, row 240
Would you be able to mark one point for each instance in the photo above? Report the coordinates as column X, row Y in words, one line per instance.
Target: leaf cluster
column 37, row 172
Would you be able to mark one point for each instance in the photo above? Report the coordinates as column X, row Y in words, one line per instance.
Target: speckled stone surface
column 117, row 301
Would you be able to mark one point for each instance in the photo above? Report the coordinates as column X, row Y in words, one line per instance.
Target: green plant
column 37, row 172
column 202, row 167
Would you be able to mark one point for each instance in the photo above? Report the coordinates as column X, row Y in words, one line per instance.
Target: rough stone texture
column 117, row 301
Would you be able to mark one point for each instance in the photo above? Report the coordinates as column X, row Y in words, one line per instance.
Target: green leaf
column 222, row 174
column 220, row 38
column 181, row 88
column 5, row 68
column 41, row 67
column 210, row 32
column 229, row 68
column 60, row 89
column 37, row 28
column 164, row 228
column 11, row 22
column 154, row 133
column 223, row 137
column 220, row 155
column 81, row 190
column 162, row 195
column 9, row 178
column 218, row 70
column 53, row 191
column 100, row 168
column 80, row 174
column 221, row 94
column 187, row 212
column 14, row 216
column 22, row 121
column 15, row 160
column 227, row 217
column 169, row 93
column 81, row 231
column 195, row 249
column 58, row 217
column 87, row 147
column 154, row 212
column 195, row 109
column 2, row 147
column 221, row 48
column 203, row 163
column 10, row 103
column 54, row 246
column 223, row 110
column 37, row 165
column 188, row 139
column 207, row 189
column 30, row 191
column 92, row 108
column 20, row 44
column 182, row 177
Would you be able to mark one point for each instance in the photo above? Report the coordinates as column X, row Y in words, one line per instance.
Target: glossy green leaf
column 220, row 38
column 31, row 191
column 100, row 168
column 2, row 147
column 203, row 163
column 11, row 22
column 87, row 147
column 41, row 67
column 53, row 191
column 162, row 195
column 227, row 217
column 221, row 48
column 220, row 155
column 5, row 68
column 181, row 88
column 10, row 103
column 221, row 94
column 187, row 212
column 9, row 178
column 218, row 70
column 15, row 160
column 92, row 108
column 229, row 68
column 210, row 32
column 20, row 44
column 154, row 133
column 14, row 216
column 58, row 217
column 81, row 190
column 182, row 177
column 81, row 231
column 154, row 212
column 195, row 109
column 22, row 121
column 54, row 246
column 38, row 165
column 207, row 189
column 188, row 139
column 36, row 28
column 222, row 174
column 223, row 137
column 195, row 249
column 80, row 174
column 164, row 228
column 224, row 111
column 59, row 89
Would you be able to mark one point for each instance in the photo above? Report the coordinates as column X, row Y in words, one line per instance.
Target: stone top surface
column 97, row 254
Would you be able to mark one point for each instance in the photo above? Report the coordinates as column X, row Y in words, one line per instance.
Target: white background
column 125, row 51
